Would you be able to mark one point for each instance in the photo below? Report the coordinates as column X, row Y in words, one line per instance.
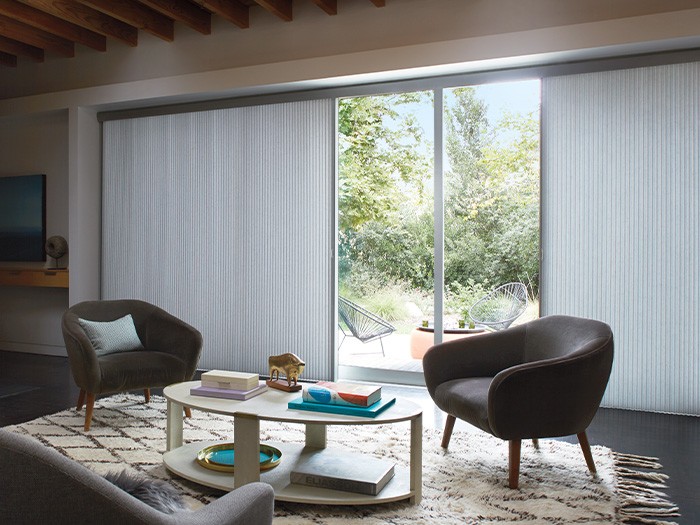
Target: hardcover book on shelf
column 351, row 394
column 370, row 411
column 230, row 379
column 228, row 393
column 350, row 472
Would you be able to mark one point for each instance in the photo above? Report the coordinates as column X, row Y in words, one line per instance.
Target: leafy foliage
column 385, row 197
column 380, row 154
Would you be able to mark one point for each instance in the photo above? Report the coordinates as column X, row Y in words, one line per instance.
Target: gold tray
column 221, row 457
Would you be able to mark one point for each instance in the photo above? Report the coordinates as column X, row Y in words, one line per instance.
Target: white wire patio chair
column 499, row 308
column 362, row 324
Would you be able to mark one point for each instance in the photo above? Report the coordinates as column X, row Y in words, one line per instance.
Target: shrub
column 459, row 297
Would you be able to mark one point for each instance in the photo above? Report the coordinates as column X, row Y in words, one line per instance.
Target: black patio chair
column 363, row 324
column 499, row 308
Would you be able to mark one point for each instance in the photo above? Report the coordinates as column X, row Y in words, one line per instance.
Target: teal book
column 370, row 411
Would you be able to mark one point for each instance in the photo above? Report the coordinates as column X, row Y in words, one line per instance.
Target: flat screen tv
column 23, row 218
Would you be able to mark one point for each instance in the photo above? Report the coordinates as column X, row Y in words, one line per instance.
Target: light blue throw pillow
column 108, row 337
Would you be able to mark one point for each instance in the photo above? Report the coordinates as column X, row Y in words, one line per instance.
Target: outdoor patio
column 397, row 352
column 365, row 362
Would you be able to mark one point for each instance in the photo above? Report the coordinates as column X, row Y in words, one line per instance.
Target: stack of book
column 229, row 385
column 343, row 398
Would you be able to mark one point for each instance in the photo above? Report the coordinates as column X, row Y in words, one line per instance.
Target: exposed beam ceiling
column 31, row 29
column 86, row 17
column 51, row 24
column 26, row 34
column 329, row 6
column 232, row 10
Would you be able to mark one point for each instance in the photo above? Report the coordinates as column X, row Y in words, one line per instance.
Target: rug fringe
column 649, row 477
column 642, row 501
column 632, row 460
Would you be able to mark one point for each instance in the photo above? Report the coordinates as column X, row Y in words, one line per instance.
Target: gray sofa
column 39, row 485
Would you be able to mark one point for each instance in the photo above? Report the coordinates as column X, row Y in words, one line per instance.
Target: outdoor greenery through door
column 386, row 208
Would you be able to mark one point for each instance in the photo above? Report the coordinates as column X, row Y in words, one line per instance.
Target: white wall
column 30, row 317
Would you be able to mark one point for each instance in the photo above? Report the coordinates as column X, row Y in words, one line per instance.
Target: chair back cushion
column 557, row 389
column 560, row 336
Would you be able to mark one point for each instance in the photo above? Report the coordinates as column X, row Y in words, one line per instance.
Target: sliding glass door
column 385, row 218
column 492, row 188
column 487, row 210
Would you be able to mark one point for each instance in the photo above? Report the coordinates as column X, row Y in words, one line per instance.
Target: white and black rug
column 465, row 485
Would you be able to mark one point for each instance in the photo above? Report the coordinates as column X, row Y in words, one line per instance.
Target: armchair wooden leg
column 188, row 412
column 81, row 400
column 513, row 463
column 147, row 394
column 586, row 448
column 536, row 443
column 88, row 410
column 449, row 425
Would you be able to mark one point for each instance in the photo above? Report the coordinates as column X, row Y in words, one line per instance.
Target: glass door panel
column 491, row 181
column 385, row 217
column 387, row 211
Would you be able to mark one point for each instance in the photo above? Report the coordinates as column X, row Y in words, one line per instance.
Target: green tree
column 382, row 157
column 492, row 195
column 513, row 165
column 491, row 205
column 383, row 169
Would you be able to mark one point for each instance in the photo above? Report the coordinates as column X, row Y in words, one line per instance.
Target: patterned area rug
column 465, row 485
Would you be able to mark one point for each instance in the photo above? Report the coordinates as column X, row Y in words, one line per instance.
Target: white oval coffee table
column 272, row 406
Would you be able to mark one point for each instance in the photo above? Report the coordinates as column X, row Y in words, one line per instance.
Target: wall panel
column 226, row 219
column 620, row 223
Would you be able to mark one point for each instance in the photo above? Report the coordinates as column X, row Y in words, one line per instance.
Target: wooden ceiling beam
column 379, row 3
column 88, row 18
column 329, row 6
column 232, row 10
column 137, row 15
column 35, row 37
column 280, row 8
column 183, row 11
column 51, row 24
column 8, row 60
column 14, row 47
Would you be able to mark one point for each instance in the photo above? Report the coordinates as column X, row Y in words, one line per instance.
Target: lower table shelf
column 182, row 462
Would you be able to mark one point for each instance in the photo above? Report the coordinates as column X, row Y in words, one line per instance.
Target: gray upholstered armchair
column 42, row 486
column 544, row 378
column 163, row 350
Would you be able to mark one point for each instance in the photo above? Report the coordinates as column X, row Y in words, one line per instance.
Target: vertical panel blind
column 621, row 223
column 225, row 218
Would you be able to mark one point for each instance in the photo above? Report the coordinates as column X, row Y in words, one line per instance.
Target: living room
column 62, row 116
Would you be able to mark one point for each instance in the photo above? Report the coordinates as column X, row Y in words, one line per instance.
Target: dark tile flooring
column 32, row 386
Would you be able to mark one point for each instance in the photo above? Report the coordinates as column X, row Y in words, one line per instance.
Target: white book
column 230, row 379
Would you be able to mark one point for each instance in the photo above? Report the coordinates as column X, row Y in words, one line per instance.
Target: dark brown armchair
column 168, row 352
column 544, row 378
